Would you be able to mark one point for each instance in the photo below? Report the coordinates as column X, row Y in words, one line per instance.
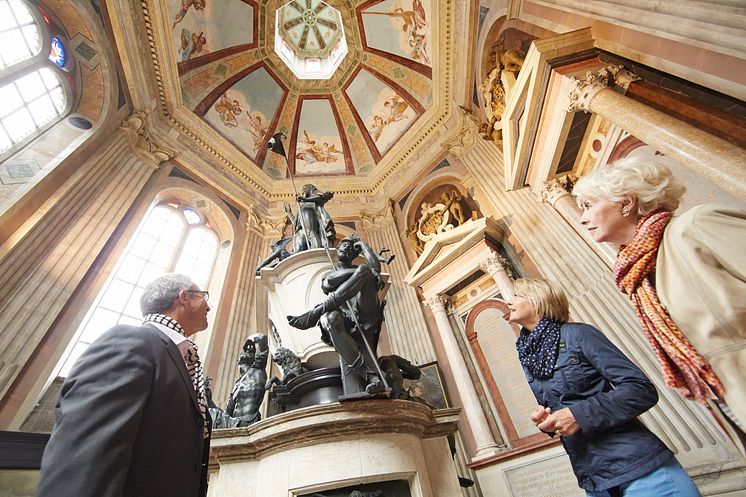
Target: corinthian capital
column 266, row 226
column 623, row 77
column 555, row 189
column 376, row 220
column 584, row 90
column 495, row 263
column 142, row 140
column 465, row 136
column 438, row 302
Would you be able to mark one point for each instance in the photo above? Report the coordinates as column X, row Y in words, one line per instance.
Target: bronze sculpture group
column 349, row 319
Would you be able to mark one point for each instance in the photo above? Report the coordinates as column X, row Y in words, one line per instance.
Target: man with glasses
column 132, row 420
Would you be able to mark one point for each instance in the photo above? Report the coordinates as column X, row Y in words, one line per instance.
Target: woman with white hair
column 590, row 394
column 685, row 275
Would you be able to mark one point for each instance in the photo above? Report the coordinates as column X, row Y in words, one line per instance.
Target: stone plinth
column 324, row 447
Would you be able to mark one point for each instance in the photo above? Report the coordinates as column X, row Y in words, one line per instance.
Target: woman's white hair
column 646, row 178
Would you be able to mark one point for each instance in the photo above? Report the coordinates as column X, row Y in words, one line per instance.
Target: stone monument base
column 323, row 448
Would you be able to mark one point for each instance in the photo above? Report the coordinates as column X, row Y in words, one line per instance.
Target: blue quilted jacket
column 605, row 392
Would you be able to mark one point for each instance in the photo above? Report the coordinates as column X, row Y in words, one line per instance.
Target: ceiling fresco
column 231, row 77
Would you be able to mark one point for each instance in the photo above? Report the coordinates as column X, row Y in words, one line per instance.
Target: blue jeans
column 669, row 480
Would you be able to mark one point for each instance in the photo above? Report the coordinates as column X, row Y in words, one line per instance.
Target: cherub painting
column 228, row 110
column 311, row 150
column 258, row 128
column 414, row 28
column 185, row 4
column 192, row 44
column 394, row 110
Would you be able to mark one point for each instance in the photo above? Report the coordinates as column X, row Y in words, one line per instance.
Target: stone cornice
column 317, row 424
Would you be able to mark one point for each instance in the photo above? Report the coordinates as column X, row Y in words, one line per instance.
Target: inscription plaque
column 551, row 477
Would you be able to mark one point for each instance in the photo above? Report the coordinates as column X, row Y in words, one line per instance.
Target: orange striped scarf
column 683, row 368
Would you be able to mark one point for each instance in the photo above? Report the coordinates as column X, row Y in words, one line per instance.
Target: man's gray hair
column 160, row 294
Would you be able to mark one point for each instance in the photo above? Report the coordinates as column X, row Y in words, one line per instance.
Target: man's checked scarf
column 194, row 366
column 683, row 368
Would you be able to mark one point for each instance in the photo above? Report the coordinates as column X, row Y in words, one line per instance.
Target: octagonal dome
column 310, row 39
column 348, row 125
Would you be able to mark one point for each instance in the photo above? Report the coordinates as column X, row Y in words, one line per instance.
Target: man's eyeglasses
column 205, row 294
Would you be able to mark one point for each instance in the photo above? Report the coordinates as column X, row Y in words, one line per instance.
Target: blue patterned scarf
column 538, row 349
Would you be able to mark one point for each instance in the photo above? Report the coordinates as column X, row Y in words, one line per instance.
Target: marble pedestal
column 325, row 447
column 290, row 288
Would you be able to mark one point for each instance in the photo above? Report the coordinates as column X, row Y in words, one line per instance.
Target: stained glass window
column 57, row 52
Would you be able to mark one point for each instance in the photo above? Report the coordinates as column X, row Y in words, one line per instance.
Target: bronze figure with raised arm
column 352, row 313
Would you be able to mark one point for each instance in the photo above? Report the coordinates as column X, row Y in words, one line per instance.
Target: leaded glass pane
column 10, row 100
column 13, row 47
column 5, row 142
column 7, row 19
column 58, row 99
column 191, row 216
column 50, row 78
column 19, row 124
column 31, row 86
column 32, row 37
column 42, row 110
column 22, row 14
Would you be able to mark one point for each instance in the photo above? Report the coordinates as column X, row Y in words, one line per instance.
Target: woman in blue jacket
column 590, row 394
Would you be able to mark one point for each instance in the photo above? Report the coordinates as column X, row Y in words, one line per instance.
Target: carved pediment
column 445, row 252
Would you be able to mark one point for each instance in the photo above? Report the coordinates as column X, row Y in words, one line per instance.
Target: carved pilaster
column 376, row 220
column 142, row 141
column 266, row 226
column 464, row 139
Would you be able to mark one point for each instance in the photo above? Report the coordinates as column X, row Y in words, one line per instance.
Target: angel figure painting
column 409, row 21
column 192, row 44
column 244, row 113
column 311, row 149
column 385, row 113
column 319, row 148
column 228, row 109
column 185, row 5
column 391, row 116
column 197, row 25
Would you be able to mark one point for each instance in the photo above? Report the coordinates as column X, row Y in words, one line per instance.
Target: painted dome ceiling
column 232, row 77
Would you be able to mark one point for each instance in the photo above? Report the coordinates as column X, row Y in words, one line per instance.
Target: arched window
column 35, row 71
column 173, row 237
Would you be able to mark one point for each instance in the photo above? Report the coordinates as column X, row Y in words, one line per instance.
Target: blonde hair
column 546, row 298
column 646, row 178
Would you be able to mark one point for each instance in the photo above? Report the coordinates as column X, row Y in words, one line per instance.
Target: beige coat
column 701, row 280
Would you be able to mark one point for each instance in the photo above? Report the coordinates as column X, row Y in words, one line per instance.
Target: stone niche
column 330, row 448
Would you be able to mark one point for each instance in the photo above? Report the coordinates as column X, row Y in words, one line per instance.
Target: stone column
column 405, row 323
column 713, row 158
column 497, row 267
column 472, row 408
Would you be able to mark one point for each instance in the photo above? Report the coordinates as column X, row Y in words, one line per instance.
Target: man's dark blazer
column 128, row 423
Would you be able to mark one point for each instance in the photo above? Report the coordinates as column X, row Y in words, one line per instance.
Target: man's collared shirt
column 181, row 342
